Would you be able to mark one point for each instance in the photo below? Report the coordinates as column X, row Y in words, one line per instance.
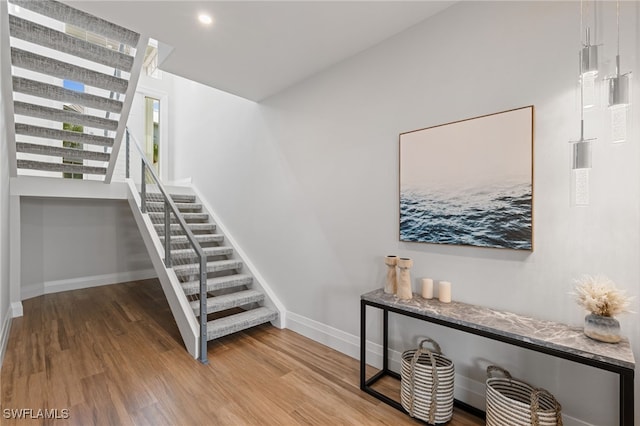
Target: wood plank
column 113, row 355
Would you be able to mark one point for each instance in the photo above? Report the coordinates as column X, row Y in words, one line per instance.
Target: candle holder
column 391, row 284
column 404, row 282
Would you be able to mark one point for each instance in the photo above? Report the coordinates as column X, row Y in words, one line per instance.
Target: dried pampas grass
column 600, row 296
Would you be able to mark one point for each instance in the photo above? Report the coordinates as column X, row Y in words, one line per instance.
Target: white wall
column 307, row 181
column 4, row 191
column 74, row 243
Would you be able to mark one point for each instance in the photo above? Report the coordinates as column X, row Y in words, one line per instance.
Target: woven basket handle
column 535, row 406
column 434, row 376
column 434, row 345
column 494, row 368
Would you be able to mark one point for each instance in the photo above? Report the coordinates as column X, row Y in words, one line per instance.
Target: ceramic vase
column 604, row 329
column 404, row 281
column 392, row 281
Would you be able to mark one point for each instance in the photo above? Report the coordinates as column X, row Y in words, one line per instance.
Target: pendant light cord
column 581, row 76
column 618, row 23
column 618, row 30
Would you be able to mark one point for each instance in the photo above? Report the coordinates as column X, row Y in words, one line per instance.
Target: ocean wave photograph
column 469, row 182
column 497, row 216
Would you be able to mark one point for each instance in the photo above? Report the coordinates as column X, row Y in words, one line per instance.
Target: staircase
column 74, row 76
column 227, row 287
column 222, row 298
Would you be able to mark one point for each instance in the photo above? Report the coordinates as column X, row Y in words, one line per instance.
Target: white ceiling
column 255, row 49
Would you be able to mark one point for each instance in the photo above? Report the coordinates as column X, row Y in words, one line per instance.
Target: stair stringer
column 180, row 308
column 259, row 282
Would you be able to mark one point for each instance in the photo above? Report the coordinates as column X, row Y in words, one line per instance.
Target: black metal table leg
column 385, row 340
column 363, row 343
column 626, row 399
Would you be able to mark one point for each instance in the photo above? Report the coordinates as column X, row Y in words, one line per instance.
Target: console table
column 547, row 337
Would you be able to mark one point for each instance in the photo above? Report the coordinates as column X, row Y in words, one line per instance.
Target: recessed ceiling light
column 205, row 19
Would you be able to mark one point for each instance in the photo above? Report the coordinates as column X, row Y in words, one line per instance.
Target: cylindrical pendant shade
column 589, row 56
column 619, row 90
column 582, row 155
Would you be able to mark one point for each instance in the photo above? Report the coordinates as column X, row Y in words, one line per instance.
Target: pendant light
column 619, row 85
column 588, row 65
column 581, row 149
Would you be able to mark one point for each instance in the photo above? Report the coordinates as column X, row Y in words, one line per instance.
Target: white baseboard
column 336, row 339
column 5, row 329
column 467, row 390
column 48, row 287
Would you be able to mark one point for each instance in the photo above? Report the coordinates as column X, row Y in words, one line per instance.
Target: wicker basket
column 427, row 384
column 512, row 402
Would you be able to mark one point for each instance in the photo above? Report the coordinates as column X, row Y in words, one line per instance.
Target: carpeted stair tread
column 188, row 217
column 201, row 238
column 183, row 207
column 228, row 301
column 60, row 94
column 62, row 116
column 238, row 322
column 84, row 20
column 177, row 198
column 56, row 40
column 218, row 283
column 55, row 68
column 56, row 151
column 62, row 135
column 215, row 266
column 61, row 167
column 208, row 251
column 177, row 229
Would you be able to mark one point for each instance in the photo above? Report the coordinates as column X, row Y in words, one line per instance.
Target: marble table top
column 545, row 334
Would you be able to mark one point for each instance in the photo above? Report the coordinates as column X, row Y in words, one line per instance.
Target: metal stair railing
column 148, row 173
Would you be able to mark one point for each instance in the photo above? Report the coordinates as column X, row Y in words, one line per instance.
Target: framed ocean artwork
column 469, row 182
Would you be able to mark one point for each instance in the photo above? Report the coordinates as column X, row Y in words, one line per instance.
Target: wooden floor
column 112, row 355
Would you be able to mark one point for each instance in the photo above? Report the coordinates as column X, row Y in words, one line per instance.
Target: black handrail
column 169, row 204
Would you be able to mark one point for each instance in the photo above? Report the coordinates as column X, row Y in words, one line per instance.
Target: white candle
column 427, row 288
column 444, row 291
